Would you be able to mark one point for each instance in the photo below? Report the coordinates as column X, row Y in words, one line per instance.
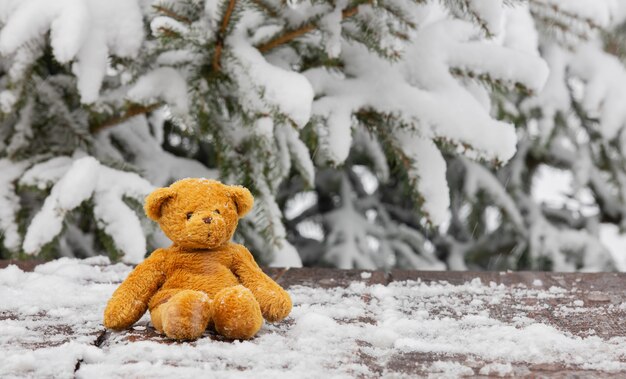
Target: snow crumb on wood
column 351, row 326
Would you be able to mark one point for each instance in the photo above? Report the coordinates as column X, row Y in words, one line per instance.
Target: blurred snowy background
column 456, row 134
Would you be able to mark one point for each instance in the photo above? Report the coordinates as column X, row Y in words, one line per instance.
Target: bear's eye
column 217, row 211
column 189, row 214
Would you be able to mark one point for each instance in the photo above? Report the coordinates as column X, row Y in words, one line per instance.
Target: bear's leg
column 184, row 316
column 236, row 313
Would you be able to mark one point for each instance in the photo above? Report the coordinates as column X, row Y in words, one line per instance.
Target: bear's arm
column 130, row 300
column 275, row 302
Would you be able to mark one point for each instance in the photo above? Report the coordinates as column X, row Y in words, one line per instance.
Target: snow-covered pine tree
column 573, row 128
column 70, row 185
column 496, row 221
column 263, row 76
column 270, row 94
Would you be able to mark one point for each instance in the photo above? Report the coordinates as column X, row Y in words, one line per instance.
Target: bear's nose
column 207, row 220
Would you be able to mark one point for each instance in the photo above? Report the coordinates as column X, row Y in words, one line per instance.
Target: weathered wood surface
column 601, row 295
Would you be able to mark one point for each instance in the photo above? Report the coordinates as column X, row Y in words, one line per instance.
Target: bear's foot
column 236, row 313
column 184, row 316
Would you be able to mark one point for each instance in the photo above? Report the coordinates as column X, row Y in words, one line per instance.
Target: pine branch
column 266, row 8
column 553, row 20
column 171, row 14
column 219, row 45
column 290, row 35
column 477, row 19
column 286, row 37
column 398, row 13
column 495, row 83
column 559, row 11
column 132, row 111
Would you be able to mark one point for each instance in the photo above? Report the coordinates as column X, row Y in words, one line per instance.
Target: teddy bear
column 203, row 279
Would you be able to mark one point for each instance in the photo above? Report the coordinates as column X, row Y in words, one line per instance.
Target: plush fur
column 203, row 279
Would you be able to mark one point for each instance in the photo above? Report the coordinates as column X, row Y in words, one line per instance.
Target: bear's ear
column 155, row 201
column 243, row 199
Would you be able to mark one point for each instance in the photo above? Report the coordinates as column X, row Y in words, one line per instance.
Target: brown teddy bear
column 203, row 278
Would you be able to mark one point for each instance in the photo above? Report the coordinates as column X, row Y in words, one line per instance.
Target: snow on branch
column 133, row 138
column 427, row 171
column 221, row 35
column 567, row 250
column 9, row 203
column 478, row 178
column 265, row 87
column 487, row 14
column 604, row 77
column 572, row 21
column 132, row 111
column 291, row 34
column 86, row 179
column 164, row 83
column 418, row 90
column 347, row 245
column 82, row 32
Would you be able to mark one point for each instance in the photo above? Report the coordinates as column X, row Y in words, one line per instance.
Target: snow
column 7, row 101
column 557, row 188
column 615, row 241
column 86, row 178
column 45, row 174
column 395, row 95
column 347, row 243
column 167, row 23
column 176, row 57
column 264, row 127
column 156, row 165
column 84, row 31
column 477, row 178
column 68, row 193
column 288, row 91
column 286, row 256
column 23, row 131
column 520, row 32
column 9, row 202
column 497, row 369
column 330, row 26
column 60, row 293
column 443, row 369
column 163, row 83
column 599, row 12
column 426, row 99
column 326, row 331
column 489, row 12
column 605, row 85
column 429, row 169
column 299, row 153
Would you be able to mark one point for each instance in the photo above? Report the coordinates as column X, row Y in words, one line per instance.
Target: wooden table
column 584, row 305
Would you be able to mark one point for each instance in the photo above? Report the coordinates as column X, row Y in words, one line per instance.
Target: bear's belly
column 210, row 279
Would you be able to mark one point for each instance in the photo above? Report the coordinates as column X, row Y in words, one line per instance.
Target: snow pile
column 51, row 317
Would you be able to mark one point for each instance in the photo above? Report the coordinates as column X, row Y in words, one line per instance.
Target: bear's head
column 198, row 213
